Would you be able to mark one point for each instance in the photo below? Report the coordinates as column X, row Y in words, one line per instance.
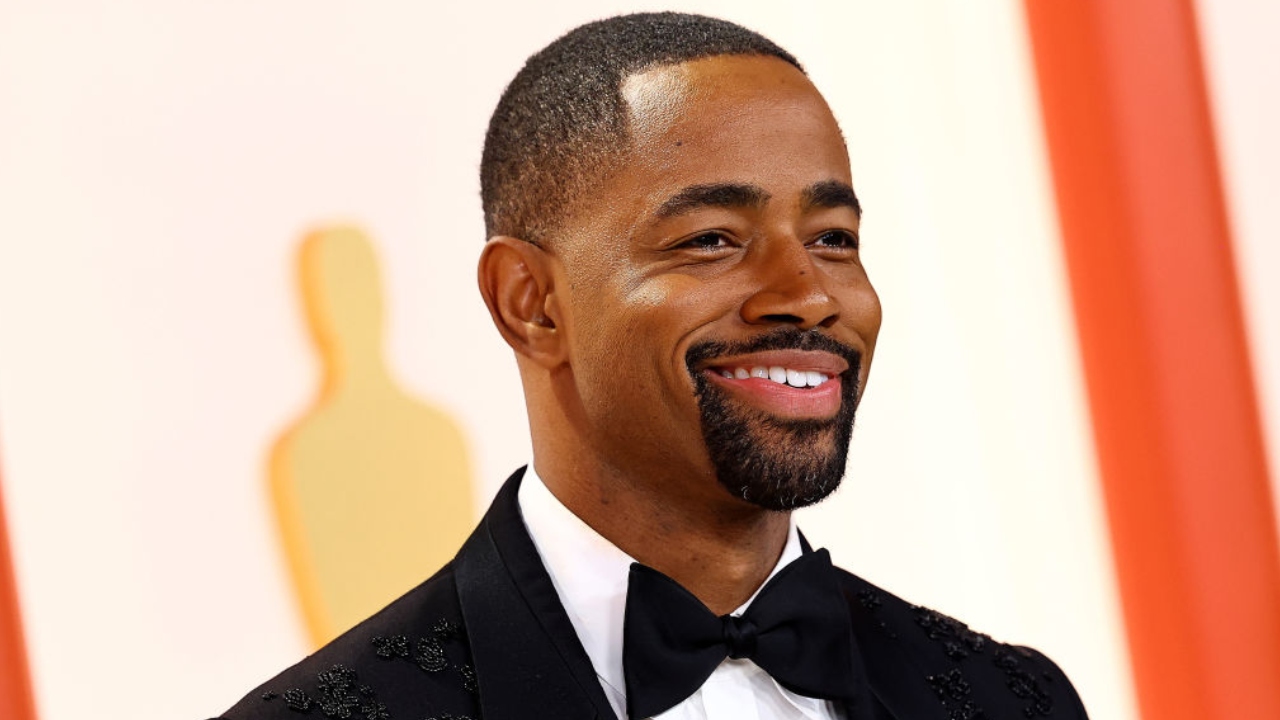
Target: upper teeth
column 778, row 374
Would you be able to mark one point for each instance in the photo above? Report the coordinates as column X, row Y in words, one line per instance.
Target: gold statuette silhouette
column 372, row 488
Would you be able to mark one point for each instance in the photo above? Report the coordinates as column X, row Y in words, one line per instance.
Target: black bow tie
column 797, row 630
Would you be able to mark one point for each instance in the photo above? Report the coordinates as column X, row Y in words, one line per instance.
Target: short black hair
column 562, row 122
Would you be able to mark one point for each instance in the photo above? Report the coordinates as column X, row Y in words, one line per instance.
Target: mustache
column 783, row 338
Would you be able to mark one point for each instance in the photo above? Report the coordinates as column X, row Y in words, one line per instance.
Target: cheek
column 611, row 344
column 652, row 296
column 635, row 336
column 869, row 316
column 664, row 311
column 866, row 313
column 859, row 305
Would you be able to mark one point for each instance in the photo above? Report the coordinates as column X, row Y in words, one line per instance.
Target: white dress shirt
column 590, row 574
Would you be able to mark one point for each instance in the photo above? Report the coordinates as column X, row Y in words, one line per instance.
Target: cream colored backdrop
column 160, row 162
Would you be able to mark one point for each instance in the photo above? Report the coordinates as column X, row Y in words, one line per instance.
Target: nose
column 788, row 287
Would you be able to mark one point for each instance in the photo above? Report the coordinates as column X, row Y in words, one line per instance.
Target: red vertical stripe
column 15, row 687
column 1164, row 348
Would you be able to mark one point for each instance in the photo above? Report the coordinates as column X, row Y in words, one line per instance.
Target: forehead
column 730, row 118
column 740, row 120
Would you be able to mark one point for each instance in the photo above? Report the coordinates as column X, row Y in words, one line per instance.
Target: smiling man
column 673, row 255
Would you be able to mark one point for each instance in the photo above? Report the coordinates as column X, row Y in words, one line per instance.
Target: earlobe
column 517, row 283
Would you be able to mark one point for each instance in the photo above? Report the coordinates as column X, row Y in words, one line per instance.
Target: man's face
column 719, row 321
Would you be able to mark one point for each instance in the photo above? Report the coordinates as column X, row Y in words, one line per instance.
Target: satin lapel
column 529, row 662
column 865, row 705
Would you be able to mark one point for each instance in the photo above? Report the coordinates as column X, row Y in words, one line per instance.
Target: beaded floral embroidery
column 959, row 642
column 870, row 599
column 339, row 694
column 429, row 652
column 1023, row 684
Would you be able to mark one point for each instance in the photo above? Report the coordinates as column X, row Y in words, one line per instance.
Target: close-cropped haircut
column 562, row 122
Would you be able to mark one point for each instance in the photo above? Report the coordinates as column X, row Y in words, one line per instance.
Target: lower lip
column 815, row 403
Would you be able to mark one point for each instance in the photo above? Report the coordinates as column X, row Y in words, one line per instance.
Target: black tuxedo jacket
column 487, row 637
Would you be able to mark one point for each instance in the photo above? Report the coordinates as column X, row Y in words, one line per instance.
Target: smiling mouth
column 775, row 373
column 787, row 384
column 786, row 374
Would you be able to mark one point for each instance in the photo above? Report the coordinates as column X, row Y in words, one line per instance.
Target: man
column 673, row 256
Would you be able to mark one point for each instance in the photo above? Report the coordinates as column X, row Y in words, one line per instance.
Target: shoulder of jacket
column 410, row 659
column 970, row 674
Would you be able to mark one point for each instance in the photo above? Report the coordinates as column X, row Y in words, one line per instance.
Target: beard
column 775, row 463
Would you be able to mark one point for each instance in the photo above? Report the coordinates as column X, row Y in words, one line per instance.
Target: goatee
column 775, row 463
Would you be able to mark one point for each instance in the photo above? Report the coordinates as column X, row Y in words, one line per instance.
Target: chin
column 775, row 464
column 783, row 481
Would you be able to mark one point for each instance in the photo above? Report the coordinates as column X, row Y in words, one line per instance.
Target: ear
column 518, row 284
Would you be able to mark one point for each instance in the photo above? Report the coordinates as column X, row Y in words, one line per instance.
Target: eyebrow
column 831, row 194
column 823, row 194
column 725, row 195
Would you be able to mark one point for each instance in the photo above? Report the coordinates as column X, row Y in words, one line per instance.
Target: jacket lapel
column 528, row 660
column 867, row 703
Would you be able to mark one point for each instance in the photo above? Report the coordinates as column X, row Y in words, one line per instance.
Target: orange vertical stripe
column 1164, row 348
column 15, row 687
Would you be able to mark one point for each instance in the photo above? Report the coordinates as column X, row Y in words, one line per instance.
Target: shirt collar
column 590, row 574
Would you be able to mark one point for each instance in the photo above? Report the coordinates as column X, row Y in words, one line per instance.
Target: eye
column 837, row 239
column 706, row 241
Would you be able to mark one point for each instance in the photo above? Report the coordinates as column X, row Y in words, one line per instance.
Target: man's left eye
column 706, row 241
column 837, row 239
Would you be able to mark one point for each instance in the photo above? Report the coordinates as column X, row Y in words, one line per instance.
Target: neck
column 718, row 548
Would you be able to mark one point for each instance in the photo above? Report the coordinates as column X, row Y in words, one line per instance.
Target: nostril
column 784, row 318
